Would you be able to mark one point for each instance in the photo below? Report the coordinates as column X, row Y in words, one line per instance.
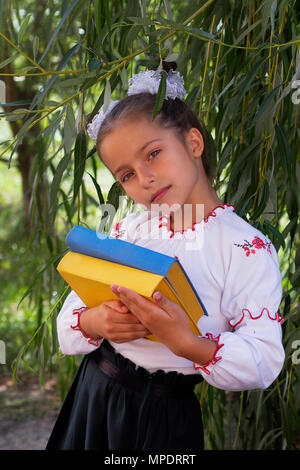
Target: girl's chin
column 165, row 207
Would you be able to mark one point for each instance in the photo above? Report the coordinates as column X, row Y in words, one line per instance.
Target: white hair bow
column 143, row 82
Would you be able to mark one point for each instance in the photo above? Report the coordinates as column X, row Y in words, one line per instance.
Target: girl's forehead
column 131, row 135
column 138, row 127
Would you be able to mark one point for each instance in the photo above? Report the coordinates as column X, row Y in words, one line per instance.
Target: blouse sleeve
column 250, row 354
column 70, row 337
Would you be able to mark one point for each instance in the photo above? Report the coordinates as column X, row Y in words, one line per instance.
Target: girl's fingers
column 117, row 305
column 135, row 302
column 125, row 318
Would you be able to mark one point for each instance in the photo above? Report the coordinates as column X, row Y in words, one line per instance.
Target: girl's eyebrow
column 139, row 151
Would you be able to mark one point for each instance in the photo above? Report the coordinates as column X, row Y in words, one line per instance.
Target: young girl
column 133, row 393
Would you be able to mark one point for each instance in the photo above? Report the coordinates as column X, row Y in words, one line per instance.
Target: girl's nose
column 146, row 178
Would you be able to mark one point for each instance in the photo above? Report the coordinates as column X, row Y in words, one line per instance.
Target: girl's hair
column 175, row 114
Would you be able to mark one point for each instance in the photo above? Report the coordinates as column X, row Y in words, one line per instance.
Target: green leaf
column 70, row 210
column 265, row 192
column 23, row 28
column 99, row 15
column 107, row 14
column 248, row 79
column 160, row 95
column 15, row 117
column 72, row 82
column 69, row 130
column 2, row 91
column 168, row 9
column 272, row 15
column 113, row 195
column 58, row 28
column 264, row 106
column 274, row 235
column 79, row 162
column 35, row 46
column 16, row 103
column 8, row 60
column 63, row 164
column 107, row 95
column 124, row 78
column 98, row 189
column 20, row 136
column 284, row 148
column 173, row 57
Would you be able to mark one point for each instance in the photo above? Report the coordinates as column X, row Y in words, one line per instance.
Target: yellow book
column 95, row 262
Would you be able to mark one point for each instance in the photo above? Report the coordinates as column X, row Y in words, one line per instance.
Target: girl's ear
column 195, row 142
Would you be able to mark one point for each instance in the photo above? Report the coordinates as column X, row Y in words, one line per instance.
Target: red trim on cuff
column 215, row 358
column 245, row 310
column 78, row 311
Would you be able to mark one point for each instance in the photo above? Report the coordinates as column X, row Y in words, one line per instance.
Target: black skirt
column 114, row 405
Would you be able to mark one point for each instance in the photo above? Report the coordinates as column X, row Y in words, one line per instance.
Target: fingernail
column 157, row 296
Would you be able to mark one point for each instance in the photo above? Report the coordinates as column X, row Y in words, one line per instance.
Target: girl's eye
column 125, row 177
column 155, row 152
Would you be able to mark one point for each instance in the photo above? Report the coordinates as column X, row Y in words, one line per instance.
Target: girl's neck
column 191, row 214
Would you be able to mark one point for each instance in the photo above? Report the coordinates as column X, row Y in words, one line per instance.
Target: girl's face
column 153, row 165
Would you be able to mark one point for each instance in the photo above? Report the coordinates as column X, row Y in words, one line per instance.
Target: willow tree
column 240, row 62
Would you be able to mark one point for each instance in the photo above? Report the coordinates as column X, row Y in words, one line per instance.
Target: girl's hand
column 165, row 319
column 111, row 320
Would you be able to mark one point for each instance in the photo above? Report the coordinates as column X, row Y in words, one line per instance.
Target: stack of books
column 96, row 261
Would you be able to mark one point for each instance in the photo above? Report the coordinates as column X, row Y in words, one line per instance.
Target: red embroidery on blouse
column 211, row 214
column 214, row 214
column 264, row 310
column 256, row 244
column 78, row 311
column 116, row 231
column 215, row 358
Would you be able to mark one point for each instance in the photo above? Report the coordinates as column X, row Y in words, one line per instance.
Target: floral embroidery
column 264, row 310
column 215, row 359
column 256, row 244
column 78, row 311
column 116, row 231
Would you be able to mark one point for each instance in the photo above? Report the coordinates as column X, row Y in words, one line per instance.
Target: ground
column 27, row 413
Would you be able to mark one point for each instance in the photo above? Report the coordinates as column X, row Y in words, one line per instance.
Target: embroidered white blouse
column 235, row 270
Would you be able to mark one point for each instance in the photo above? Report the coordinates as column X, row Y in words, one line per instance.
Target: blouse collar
column 164, row 221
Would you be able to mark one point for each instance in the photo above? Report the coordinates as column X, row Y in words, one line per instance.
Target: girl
column 132, row 393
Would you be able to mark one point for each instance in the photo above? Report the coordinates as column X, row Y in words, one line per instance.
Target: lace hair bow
column 142, row 82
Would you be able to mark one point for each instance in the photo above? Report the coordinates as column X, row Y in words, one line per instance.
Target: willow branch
column 22, row 53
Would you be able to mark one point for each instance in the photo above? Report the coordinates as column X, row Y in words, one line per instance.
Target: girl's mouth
column 159, row 194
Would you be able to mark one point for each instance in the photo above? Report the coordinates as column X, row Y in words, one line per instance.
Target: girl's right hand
column 111, row 320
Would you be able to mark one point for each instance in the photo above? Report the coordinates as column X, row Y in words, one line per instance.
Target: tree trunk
column 27, row 148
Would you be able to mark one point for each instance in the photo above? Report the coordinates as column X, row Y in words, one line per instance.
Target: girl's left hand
column 165, row 319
